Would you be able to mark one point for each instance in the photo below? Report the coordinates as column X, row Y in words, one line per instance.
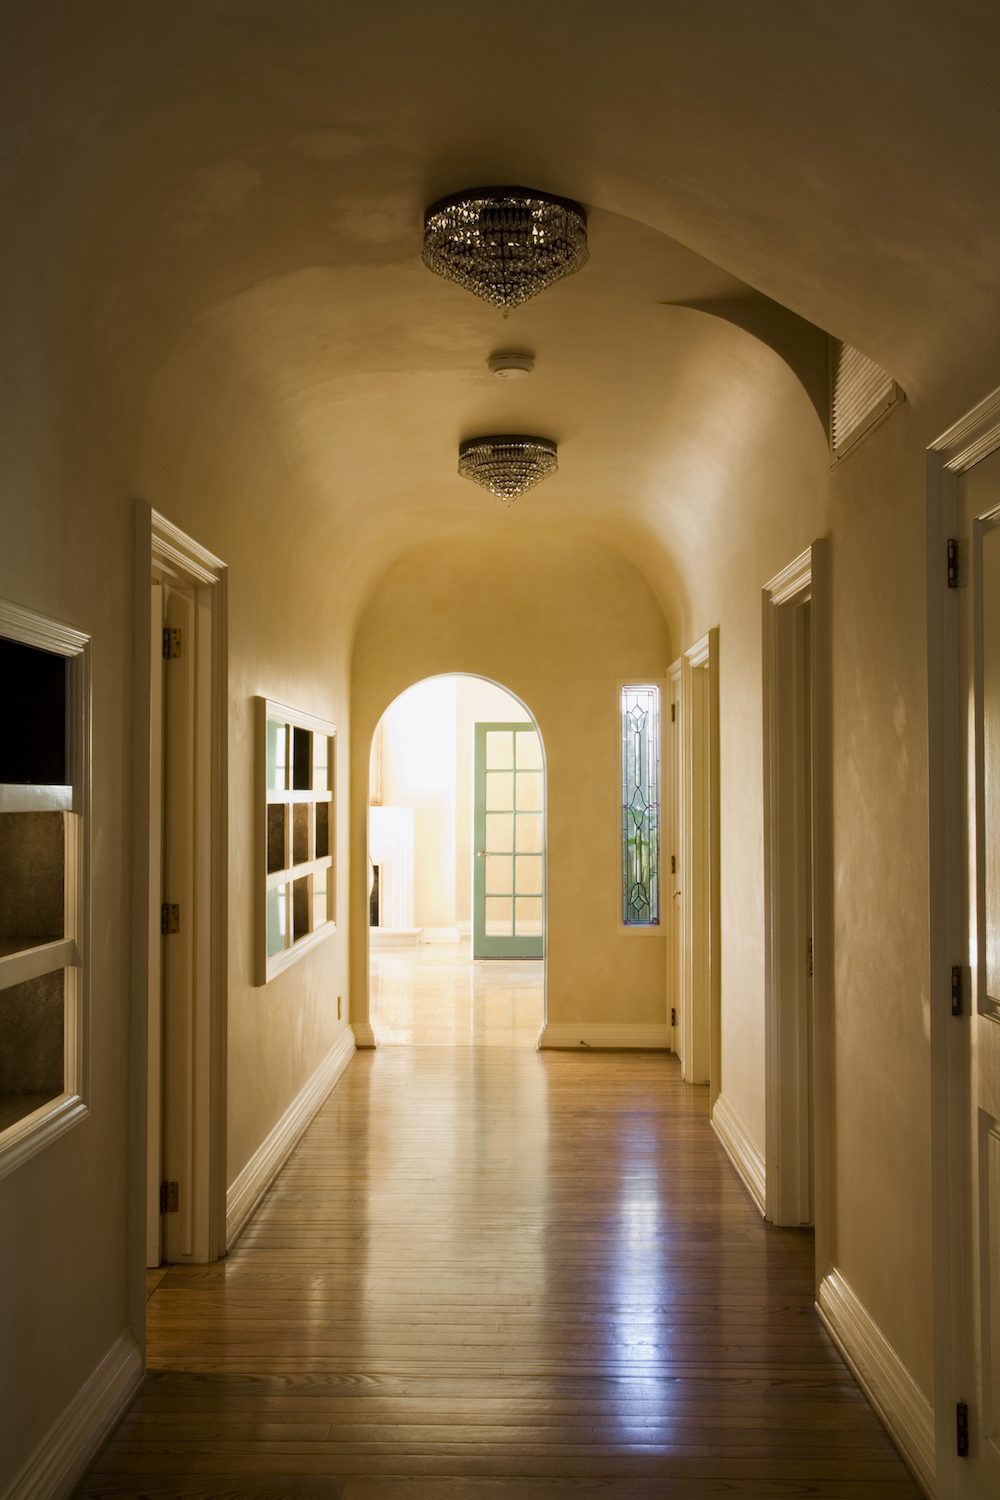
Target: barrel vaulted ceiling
column 223, row 201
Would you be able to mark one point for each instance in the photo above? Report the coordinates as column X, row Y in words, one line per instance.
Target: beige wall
column 241, row 263
column 557, row 625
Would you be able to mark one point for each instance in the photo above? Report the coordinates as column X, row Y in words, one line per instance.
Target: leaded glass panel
column 640, row 710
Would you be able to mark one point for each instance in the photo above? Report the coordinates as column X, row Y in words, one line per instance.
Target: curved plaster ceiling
column 227, row 200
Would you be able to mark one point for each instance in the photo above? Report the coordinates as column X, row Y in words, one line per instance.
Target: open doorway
column 456, row 842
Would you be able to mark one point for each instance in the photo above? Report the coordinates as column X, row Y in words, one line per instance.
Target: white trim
column 161, row 548
column 20, row 797
column 260, row 1171
column 788, row 897
column 31, row 963
column 700, row 999
column 380, row 938
column 32, row 629
column 609, row 1035
column 899, row 1402
column 364, row 1036
column 60, row 1459
column 741, row 1149
column 172, row 549
column 435, row 934
column 31, row 1134
column 972, row 437
column 37, row 1130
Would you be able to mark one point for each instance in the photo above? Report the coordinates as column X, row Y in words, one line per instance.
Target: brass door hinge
column 171, row 643
column 170, row 918
column 169, row 1197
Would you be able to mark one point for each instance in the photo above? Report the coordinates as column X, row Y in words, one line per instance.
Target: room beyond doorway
column 437, row 995
column 456, row 843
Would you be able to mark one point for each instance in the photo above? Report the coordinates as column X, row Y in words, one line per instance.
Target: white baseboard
column 612, row 1035
column 742, row 1150
column 439, row 935
column 256, row 1177
column 393, row 937
column 464, row 929
column 364, row 1037
column 55, row 1467
column 900, row 1403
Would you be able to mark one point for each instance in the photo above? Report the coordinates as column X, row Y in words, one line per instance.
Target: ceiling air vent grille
column 862, row 394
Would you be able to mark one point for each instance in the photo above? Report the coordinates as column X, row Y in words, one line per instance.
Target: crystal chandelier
column 506, row 244
column 507, row 464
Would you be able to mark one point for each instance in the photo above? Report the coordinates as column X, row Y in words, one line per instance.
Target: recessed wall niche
column 296, row 905
column 44, row 785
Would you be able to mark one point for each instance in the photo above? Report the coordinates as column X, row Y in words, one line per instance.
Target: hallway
column 501, row 1273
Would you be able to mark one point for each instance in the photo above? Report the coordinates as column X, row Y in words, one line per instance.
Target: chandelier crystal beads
column 506, row 244
column 507, row 464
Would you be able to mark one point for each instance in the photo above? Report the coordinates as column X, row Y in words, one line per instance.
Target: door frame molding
column 802, row 582
column 973, row 437
column 700, row 748
column 671, row 762
column 158, row 542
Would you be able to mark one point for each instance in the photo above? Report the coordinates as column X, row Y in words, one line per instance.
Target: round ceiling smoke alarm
column 511, row 366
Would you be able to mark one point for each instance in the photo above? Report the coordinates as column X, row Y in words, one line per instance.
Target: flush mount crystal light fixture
column 507, row 464
column 506, row 244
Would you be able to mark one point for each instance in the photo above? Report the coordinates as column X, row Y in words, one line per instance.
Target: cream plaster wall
column 418, row 770
column 213, row 213
column 557, row 624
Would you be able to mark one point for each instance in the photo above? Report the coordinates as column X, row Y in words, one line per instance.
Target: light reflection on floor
column 437, row 995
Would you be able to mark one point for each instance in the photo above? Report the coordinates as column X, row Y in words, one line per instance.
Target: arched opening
column 457, row 867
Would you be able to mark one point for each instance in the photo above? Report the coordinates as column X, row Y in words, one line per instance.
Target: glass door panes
column 297, row 834
column 640, row 723
column 510, row 842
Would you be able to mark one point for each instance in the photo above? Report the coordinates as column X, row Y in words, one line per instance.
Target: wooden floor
column 493, row 1274
column 438, row 995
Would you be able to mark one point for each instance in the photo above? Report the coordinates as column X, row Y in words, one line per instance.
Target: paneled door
column 979, row 567
column 509, row 831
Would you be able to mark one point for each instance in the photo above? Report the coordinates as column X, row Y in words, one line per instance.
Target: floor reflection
column 438, row 995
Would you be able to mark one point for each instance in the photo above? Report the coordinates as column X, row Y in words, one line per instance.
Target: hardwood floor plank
column 491, row 1274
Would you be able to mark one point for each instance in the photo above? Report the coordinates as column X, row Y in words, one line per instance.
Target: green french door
column 509, row 854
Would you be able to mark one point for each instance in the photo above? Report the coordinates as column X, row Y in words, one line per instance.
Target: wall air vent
column 862, row 395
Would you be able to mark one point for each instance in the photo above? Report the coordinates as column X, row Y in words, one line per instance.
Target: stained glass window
column 641, row 806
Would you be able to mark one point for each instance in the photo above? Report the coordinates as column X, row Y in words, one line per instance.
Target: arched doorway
column 456, row 846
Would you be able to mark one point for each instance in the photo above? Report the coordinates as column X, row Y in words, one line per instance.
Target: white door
column 979, row 510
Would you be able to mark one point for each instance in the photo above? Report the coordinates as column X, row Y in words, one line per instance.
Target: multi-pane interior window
column 296, row 885
column 43, row 781
column 640, row 761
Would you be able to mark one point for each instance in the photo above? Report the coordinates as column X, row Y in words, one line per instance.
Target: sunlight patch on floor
column 437, row 995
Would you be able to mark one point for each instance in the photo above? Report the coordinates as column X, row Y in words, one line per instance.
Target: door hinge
column 673, row 1016
column 673, row 712
column 169, row 1197
column 809, row 960
column 953, row 562
column 673, row 864
column 170, row 918
column 956, row 989
column 962, row 1429
column 171, row 643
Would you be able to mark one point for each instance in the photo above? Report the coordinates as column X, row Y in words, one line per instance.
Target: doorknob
column 480, row 853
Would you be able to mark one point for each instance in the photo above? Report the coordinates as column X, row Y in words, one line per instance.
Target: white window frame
column 267, row 709
column 71, row 953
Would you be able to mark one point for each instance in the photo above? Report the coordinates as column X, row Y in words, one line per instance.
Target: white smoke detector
column 511, row 366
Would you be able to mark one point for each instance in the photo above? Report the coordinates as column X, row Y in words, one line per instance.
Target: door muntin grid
column 514, row 836
column 640, row 804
